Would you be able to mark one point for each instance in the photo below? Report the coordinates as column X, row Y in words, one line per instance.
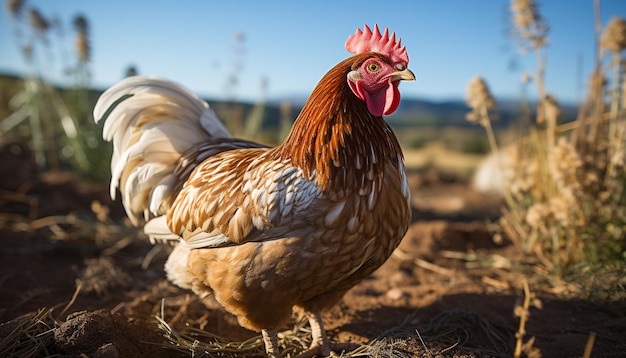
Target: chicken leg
column 270, row 339
column 320, row 340
column 321, row 347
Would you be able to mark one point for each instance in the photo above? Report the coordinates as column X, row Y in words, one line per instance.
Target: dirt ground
column 77, row 280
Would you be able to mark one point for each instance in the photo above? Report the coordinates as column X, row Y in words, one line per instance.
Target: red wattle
column 383, row 101
column 393, row 98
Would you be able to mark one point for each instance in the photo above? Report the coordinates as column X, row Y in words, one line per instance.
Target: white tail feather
column 151, row 122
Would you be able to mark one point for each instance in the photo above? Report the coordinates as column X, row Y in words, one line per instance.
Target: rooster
column 268, row 230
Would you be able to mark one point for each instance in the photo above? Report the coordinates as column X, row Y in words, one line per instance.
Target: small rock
column 395, row 294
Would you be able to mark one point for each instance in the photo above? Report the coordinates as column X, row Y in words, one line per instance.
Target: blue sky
column 292, row 44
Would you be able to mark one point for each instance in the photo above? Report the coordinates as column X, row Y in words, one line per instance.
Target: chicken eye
column 373, row 67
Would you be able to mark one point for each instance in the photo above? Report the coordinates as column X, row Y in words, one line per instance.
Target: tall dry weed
column 483, row 105
column 565, row 204
column 57, row 122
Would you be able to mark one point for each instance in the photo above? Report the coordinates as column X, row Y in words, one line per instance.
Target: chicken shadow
column 485, row 325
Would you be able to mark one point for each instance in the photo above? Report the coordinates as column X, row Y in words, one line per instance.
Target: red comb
column 366, row 41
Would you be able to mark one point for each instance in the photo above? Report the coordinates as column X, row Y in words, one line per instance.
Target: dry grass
column 565, row 203
column 29, row 335
column 523, row 312
column 57, row 123
column 453, row 333
column 202, row 343
column 32, row 334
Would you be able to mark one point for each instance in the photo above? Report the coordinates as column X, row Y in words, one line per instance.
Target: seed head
column 480, row 100
column 15, row 7
column 614, row 37
column 81, row 24
column 536, row 215
column 560, row 210
column 82, row 38
column 564, row 163
column 529, row 25
column 38, row 22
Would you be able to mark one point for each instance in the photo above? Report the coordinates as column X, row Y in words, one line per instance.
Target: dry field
column 76, row 280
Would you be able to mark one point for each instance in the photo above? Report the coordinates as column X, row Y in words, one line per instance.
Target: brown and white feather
column 152, row 123
column 295, row 225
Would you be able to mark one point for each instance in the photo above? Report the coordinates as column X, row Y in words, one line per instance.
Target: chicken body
column 312, row 247
column 265, row 230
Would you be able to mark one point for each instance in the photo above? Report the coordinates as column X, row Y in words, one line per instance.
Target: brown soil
column 69, row 256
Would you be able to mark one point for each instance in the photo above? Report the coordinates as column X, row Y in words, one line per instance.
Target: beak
column 405, row 74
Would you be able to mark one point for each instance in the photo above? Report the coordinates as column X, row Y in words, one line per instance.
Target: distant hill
column 411, row 112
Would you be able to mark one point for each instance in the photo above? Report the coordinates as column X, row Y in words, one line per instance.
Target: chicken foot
column 321, row 347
